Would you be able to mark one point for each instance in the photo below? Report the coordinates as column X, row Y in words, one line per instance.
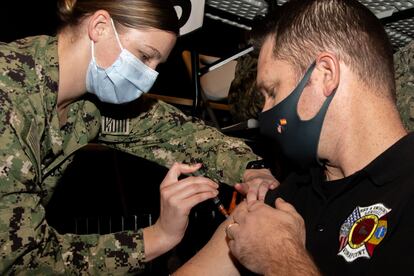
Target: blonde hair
column 137, row 14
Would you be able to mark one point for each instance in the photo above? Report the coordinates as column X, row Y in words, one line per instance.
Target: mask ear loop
column 116, row 35
column 93, row 51
column 117, row 39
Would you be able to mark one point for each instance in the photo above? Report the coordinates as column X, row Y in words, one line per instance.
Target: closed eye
column 144, row 57
column 267, row 91
column 271, row 93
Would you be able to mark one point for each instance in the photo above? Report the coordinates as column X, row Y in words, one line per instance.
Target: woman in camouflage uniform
column 46, row 115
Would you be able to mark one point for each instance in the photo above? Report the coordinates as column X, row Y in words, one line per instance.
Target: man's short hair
column 304, row 28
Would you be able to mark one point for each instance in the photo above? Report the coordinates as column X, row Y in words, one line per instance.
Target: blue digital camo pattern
column 35, row 151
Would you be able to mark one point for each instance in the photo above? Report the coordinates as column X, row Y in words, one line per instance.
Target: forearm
column 156, row 243
column 250, row 173
column 213, row 259
column 297, row 263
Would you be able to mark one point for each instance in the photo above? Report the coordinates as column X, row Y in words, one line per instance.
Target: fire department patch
column 362, row 231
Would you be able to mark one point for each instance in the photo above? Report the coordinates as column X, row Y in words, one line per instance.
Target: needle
column 216, row 201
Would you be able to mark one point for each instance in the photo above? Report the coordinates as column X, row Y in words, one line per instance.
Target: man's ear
column 328, row 65
column 99, row 25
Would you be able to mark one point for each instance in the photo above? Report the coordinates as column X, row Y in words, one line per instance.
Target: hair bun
column 65, row 9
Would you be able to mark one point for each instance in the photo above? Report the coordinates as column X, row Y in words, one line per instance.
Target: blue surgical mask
column 298, row 139
column 122, row 82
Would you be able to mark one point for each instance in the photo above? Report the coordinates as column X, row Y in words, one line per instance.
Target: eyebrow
column 156, row 53
column 261, row 87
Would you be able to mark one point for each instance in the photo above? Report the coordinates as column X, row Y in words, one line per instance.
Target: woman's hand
column 177, row 199
column 256, row 184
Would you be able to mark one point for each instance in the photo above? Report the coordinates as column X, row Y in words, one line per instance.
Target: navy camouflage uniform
column 244, row 99
column 404, row 77
column 36, row 150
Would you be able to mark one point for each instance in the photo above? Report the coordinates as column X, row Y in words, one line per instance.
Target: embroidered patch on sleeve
column 362, row 231
column 33, row 140
column 115, row 127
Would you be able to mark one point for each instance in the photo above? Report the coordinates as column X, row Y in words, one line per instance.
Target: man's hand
column 256, row 184
column 270, row 241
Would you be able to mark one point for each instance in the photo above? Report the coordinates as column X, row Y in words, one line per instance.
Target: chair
column 214, row 86
column 212, row 79
column 216, row 83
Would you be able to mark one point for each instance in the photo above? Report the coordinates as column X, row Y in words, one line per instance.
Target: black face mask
column 298, row 139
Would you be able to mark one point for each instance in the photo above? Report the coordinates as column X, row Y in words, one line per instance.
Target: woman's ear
column 328, row 65
column 99, row 25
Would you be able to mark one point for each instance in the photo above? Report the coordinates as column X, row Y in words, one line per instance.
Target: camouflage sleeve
column 404, row 77
column 28, row 244
column 165, row 135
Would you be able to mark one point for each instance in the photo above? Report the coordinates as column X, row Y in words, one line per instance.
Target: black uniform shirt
column 374, row 241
